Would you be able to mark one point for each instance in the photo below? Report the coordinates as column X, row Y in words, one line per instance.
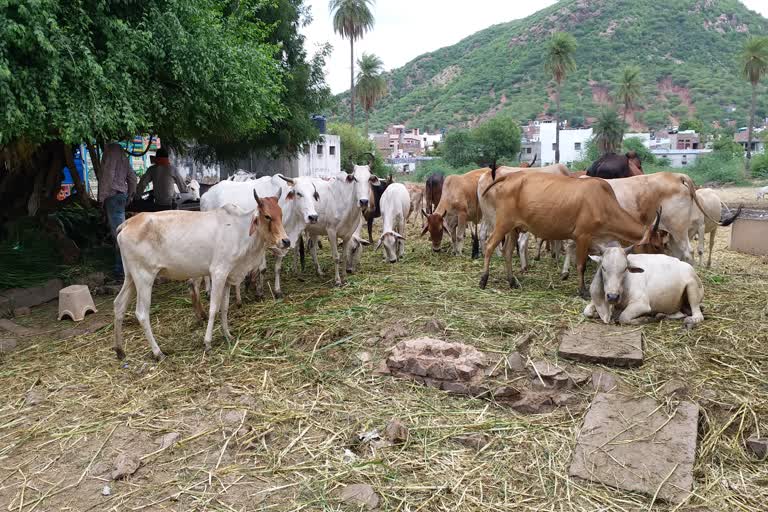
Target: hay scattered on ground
column 271, row 421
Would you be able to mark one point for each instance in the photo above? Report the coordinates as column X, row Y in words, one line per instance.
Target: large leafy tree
column 608, row 131
column 351, row 20
column 629, row 88
column 354, row 149
column 495, row 140
column 459, row 148
column 754, row 67
column 559, row 63
column 90, row 71
column 371, row 86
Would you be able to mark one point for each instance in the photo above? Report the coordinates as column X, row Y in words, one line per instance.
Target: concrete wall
column 573, row 144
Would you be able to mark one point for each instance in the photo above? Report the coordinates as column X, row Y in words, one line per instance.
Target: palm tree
column 608, row 131
column 559, row 63
column 629, row 88
column 754, row 66
column 351, row 19
column 371, row 86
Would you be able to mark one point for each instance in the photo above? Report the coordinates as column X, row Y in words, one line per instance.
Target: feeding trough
column 750, row 232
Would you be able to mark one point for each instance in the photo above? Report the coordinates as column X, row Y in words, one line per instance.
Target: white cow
column 342, row 199
column 355, row 250
column 635, row 286
column 298, row 197
column 395, row 208
column 177, row 244
column 762, row 192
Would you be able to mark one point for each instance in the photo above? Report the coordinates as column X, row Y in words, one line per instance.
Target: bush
column 719, row 167
column 636, row 145
column 353, row 145
column 426, row 168
column 760, row 165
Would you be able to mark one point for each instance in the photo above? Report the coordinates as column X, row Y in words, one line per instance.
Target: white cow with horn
column 395, row 207
column 342, row 199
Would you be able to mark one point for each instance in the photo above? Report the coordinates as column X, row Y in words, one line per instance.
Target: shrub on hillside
column 760, row 165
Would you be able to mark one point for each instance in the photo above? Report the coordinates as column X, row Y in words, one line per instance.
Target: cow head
column 607, row 289
column 267, row 223
column 635, row 164
column 359, row 179
column 194, row 189
column 655, row 240
column 389, row 241
column 435, row 225
column 304, row 195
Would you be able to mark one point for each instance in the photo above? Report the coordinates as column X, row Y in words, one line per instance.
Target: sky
column 406, row 29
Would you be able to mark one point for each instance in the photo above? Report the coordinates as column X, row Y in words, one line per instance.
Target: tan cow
column 558, row 208
column 416, row 191
column 458, row 206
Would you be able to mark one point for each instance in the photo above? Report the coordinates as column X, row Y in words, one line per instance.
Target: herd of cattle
column 637, row 228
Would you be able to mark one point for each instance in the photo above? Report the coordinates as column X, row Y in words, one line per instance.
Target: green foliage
column 636, row 145
column 459, row 148
column 495, row 140
column 753, row 60
column 559, row 59
column 760, row 165
column 608, row 131
column 728, row 147
column 452, row 87
column 426, row 168
column 351, row 18
column 629, row 88
column 354, row 145
column 371, row 86
column 718, row 167
column 693, row 124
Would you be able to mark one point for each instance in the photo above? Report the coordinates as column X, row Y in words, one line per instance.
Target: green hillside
column 686, row 49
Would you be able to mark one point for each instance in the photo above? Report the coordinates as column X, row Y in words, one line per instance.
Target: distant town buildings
column 757, row 144
column 538, row 139
column 400, row 142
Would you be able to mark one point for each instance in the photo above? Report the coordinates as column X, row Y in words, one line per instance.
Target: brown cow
column 433, row 190
column 558, row 208
column 458, row 206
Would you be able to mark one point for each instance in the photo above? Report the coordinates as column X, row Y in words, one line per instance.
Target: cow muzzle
column 286, row 243
column 363, row 203
column 612, row 298
column 312, row 219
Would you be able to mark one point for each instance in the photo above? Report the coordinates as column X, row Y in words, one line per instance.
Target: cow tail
column 301, row 251
column 730, row 220
column 495, row 182
column 475, row 244
column 688, row 182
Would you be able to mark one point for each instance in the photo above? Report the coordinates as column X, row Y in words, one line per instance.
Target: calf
column 416, row 192
column 458, row 206
column 298, row 198
column 222, row 243
column 342, row 200
column 395, row 207
column 635, row 286
column 193, row 193
column 374, row 207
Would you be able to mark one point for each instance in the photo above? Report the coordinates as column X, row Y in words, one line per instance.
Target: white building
column 573, row 144
column 680, row 158
column 428, row 140
column 321, row 159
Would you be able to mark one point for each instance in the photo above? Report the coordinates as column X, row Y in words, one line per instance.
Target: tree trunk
column 82, row 194
column 748, row 161
column 95, row 162
column 557, row 127
column 352, row 79
column 367, row 119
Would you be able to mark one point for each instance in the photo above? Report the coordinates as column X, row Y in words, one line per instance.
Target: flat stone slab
column 638, row 445
column 603, row 344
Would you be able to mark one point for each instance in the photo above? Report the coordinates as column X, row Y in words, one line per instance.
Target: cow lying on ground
column 612, row 166
column 631, row 288
column 180, row 245
column 558, row 208
column 395, row 207
column 458, row 206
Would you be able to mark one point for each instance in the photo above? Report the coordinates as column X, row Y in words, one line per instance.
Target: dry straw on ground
column 271, row 422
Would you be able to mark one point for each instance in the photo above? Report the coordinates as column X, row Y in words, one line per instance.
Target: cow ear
column 399, row 236
column 635, row 270
column 291, row 195
column 378, row 244
column 596, row 259
column 350, row 178
column 374, row 179
column 424, row 231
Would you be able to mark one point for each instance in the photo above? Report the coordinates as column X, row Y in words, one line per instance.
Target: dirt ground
column 271, row 421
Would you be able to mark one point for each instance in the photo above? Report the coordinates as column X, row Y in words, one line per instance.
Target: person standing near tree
column 163, row 176
column 117, row 185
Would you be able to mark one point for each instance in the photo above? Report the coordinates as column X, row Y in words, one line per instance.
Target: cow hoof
column 259, row 297
column 158, row 356
column 483, row 281
column 514, row 283
column 278, row 295
column 120, row 353
column 584, row 294
column 536, row 258
column 564, row 276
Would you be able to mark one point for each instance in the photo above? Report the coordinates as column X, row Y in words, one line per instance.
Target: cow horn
column 658, row 220
column 287, row 180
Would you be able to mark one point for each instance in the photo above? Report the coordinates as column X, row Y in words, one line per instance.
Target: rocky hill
column 687, row 50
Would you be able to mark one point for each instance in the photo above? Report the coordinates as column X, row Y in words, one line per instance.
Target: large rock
column 28, row 297
column 439, row 363
column 638, row 445
column 603, row 344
